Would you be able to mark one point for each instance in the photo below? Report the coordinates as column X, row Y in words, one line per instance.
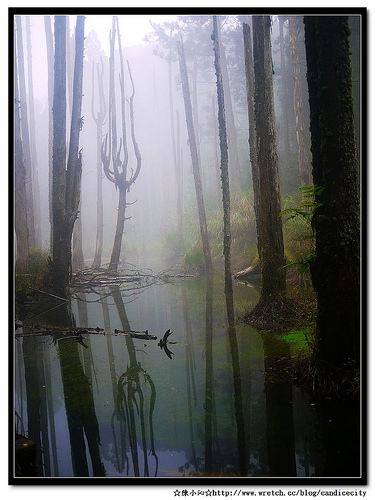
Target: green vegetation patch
column 300, row 340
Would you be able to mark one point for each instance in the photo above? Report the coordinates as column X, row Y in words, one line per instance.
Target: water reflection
column 118, row 406
column 132, row 405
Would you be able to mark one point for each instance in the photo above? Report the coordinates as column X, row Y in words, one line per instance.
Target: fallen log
column 39, row 330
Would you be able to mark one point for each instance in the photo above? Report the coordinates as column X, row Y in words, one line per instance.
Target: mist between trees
column 121, row 153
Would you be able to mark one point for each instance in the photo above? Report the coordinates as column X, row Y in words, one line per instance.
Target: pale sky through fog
column 133, row 28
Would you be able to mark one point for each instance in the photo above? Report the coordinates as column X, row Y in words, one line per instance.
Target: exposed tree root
column 324, row 381
column 283, row 312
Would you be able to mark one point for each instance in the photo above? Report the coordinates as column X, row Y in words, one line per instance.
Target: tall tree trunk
column 249, row 70
column 21, row 229
column 224, row 162
column 78, row 260
column 284, row 99
column 302, row 129
column 60, row 228
column 272, row 252
column 234, row 161
column 179, row 180
column 99, row 121
column 49, row 46
column 216, row 154
column 175, row 147
column 336, row 270
column 66, row 175
column 25, row 133
column 118, row 174
column 195, row 159
column 34, row 160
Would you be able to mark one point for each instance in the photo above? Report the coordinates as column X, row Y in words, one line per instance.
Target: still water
column 206, row 404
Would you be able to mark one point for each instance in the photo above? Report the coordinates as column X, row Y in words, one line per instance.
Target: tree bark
column 34, row 160
column 25, row 133
column 336, row 223
column 224, row 163
column 66, row 176
column 234, row 161
column 272, row 259
column 301, row 125
column 249, row 70
column 194, row 159
column 284, row 99
column 49, row 47
column 21, row 229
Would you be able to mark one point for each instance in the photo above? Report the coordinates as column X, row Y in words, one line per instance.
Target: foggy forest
column 187, row 245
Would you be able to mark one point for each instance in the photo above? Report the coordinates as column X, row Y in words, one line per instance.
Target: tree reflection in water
column 131, row 404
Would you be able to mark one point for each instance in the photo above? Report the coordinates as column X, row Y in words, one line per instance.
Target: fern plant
column 308, row 203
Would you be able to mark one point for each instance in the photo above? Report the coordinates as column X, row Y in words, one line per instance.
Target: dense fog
column 151, row 214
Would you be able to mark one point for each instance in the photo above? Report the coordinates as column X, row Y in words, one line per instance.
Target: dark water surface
column 119, row 406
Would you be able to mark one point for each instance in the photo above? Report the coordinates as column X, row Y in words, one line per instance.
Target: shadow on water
column 222, row 403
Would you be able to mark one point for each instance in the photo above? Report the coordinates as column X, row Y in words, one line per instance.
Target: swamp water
column 207, row 404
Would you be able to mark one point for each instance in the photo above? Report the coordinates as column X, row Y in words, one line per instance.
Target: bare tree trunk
column 272, row 259
column 195, row 159
column 179, row 181
column 336, row 270
column 25, row 133
column 78, row 260
column 175, row 148
column 66, row 175
column 216, row 155
column 116, row 251
column 249, row 70
column 224, row 163
column 234, row 161
column 282, row 20
column 302, row 127
column 49, row 45
column 34, row 160
column 118, row 174
column 99, row 120
column 22, row 232
column 60, row 230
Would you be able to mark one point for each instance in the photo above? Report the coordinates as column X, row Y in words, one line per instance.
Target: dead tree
column 119, row 172
column 98, row 118
column 66, row 182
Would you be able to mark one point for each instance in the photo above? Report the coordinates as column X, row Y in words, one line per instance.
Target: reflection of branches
column 129, row 398
column 132, row 281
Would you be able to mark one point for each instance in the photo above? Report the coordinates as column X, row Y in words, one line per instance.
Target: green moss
column 300, row 340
